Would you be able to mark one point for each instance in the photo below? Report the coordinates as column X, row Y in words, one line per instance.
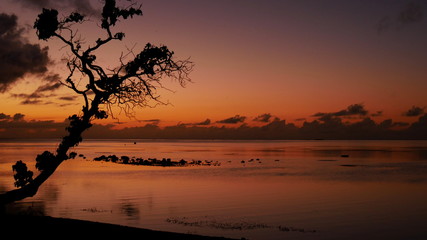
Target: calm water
column 296, row 190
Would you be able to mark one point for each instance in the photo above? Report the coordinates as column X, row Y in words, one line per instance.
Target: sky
column 256, row 62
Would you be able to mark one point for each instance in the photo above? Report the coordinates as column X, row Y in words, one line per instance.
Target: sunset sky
column 293, row 60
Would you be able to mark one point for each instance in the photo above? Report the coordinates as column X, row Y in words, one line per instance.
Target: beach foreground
column 20, row 226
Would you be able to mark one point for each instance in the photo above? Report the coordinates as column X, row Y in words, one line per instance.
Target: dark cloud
column 233, row 120
column 68, row 98
column 43, row 93
column 35, row 98
column 204, row 123
column 82, row 6
column 49, row 87
column 17, row 126
column 356, row 109
column 389, row 124
column 414, row 112
column 18, row 117
column 279, row 129
column 4, row 116
column 377, row 114
column 352, row 110
column 18, row 57
column 53, row 83
column 418, row 130
column 412, row 12
column 43, row 98
column 52, row 78
column 151, row 121
column 32, row 102
column 207, row 122
column 263, row 117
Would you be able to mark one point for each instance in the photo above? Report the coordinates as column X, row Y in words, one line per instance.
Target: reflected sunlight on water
column 262, row 190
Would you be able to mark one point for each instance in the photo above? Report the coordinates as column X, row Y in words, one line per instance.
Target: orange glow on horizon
column 289, row 65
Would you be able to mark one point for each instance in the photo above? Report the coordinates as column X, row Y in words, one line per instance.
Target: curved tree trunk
column 131, row 84
column 75, row 131
column 30, row 189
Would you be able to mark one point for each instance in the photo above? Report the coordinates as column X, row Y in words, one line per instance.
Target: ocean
column 251, row 189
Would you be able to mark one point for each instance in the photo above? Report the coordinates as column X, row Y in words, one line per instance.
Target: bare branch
column 130, row 85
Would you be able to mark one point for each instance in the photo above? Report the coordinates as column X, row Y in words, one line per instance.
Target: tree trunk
column 76, row 129
column 30, row 189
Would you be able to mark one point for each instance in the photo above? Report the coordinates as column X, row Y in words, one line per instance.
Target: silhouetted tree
column 132, row 83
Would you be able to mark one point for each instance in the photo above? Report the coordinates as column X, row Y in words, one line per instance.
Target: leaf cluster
column 111, row 13
column 150, row 58
column 47, row 22
column 22, row 175
column 43, row 160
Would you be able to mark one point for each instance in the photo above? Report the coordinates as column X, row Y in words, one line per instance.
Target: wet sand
column 43, row 227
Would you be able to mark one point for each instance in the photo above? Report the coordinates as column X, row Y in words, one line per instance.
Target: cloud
column 42, row 98
column 377, row 114
column 207, row 122
column 389, row 124
column 233, row 120
column 42, row 94
column 412, row 12
column 263, row 118
column 356, row 109
column 49, row 87
column 151, row 121
column 16, row 117
column 53, row 83
column 414, row 112
column 33, row 98
column 18, row 58
column 32, row 102
column 4, row 116
column 16, row 126
column 68, row 98
column 418, row 130
column 352, row 110
column 204, row 123
column 81, row 6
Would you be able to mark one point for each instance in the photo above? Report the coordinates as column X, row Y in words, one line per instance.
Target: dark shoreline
column 46, row 227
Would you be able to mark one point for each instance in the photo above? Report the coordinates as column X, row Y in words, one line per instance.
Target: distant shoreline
column 132, row 140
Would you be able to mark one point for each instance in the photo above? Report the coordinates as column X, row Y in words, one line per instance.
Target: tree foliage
column 132, row 83
column 22, row 175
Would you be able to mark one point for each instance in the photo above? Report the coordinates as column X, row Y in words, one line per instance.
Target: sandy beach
column 49, row 228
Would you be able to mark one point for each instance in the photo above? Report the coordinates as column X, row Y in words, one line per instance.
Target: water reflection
column 294, row 184
column 130, row 210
